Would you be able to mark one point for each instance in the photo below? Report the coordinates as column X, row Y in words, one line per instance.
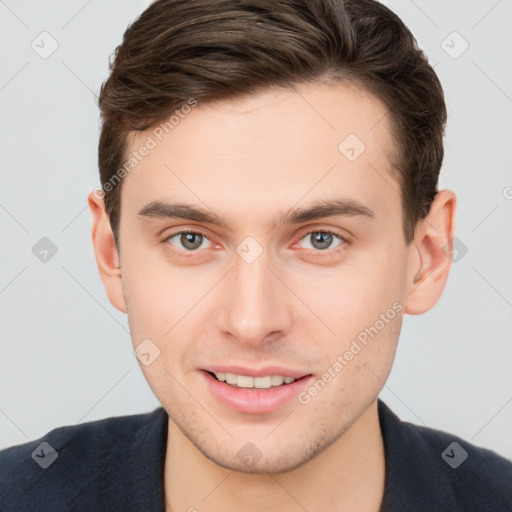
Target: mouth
column 248, row 382
column 254, row 394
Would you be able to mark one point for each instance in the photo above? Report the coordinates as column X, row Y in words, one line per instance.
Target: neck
column 348, row 475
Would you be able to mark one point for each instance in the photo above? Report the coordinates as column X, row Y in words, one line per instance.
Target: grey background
column 65, row 353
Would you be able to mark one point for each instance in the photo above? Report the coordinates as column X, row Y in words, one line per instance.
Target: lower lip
column 252, row 400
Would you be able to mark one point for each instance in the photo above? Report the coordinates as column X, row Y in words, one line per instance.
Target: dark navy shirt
column 117, row 464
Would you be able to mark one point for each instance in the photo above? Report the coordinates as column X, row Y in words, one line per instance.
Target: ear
column 430, row 255
column 105, row 250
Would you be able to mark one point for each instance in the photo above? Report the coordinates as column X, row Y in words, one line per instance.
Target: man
column 269, row 212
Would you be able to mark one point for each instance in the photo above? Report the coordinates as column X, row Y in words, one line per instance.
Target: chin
column 266, row 457
column 260, row 464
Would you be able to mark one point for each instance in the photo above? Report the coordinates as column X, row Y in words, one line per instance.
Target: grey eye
column 190, row 241
column 320, row 240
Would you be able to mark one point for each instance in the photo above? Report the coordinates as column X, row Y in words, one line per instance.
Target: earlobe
column 430, row 257
column 105, row 250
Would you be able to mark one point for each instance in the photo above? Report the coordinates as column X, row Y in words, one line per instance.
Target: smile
column 254, row 394
column 245, row 381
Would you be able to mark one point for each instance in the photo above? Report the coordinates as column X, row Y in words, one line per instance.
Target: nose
column 255, row 305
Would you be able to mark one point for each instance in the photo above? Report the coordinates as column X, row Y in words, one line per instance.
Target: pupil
column 322, row 240
column 187, row 239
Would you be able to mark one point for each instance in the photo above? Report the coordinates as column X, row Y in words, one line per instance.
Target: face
column 257, row 287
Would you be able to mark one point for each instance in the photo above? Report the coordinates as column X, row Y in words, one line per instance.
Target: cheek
column 157, row 315
column 167, row 306
column 359, row 364
column 152, row 291
column 152, row 302
column 362, row 303
column 353, row 297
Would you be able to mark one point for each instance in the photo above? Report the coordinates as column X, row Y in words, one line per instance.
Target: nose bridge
column 255, row 306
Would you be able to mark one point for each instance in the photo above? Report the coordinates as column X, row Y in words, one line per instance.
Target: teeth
column 230, row 378
column 262, row 382
column 277, row 380
column 244, row 381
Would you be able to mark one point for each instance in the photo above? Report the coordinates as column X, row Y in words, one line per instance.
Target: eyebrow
column 319, row 210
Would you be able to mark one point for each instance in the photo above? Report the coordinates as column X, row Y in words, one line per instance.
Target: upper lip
column 260, row 372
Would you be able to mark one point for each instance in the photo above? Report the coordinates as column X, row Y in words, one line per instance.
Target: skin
column 296, row 305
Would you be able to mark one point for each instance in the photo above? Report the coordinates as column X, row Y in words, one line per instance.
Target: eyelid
column 167, row 233
column 323, row 229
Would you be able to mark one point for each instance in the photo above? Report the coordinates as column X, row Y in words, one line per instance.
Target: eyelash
column 183, row 253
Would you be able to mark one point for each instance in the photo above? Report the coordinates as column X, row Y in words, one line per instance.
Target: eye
column 190, row 240
column 321, row 240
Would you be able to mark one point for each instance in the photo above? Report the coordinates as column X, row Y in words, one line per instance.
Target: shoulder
column 443, row 468
column 79, row 463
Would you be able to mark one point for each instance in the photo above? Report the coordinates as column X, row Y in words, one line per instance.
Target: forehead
column 269, row 151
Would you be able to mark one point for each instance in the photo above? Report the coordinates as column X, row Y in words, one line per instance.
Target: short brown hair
column 219, row 49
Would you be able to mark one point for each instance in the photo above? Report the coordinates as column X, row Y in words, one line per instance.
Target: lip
column 251, row 400
column 261, row 372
